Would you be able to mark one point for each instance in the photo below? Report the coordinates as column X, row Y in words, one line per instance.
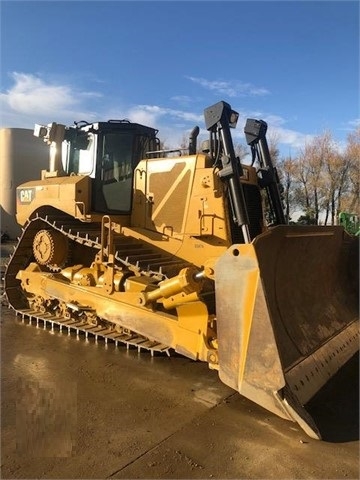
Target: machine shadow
column 335, row 408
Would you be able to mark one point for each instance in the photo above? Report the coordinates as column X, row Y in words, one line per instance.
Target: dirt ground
column 76, row 409
column 72, row 408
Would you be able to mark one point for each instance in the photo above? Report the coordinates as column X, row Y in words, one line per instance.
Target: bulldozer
column 188, row 252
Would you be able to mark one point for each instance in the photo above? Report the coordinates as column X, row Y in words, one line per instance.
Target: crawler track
column 129, row 253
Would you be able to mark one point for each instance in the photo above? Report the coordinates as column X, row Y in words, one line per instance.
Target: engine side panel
column 70, row 195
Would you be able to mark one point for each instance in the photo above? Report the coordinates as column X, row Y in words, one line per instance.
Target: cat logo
column 26, row 195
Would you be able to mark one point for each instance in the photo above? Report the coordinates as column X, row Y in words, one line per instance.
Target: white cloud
column 173, row 124
column 152, row 115
column 290, row 138
column 355, row 123
column 287, row 139
column 33, row 100
column 182, row 99
column 231, row 89
column 30, row 94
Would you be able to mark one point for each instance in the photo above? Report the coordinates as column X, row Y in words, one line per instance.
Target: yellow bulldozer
column 172, row 251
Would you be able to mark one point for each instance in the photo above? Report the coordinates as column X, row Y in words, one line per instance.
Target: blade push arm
column 255, row 133
column 219, row 118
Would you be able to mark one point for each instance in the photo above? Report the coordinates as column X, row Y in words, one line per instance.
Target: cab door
column 114, row 177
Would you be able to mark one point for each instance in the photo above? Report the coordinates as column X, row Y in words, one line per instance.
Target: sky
column 294, row 64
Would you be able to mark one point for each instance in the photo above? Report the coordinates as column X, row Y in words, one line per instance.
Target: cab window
column 80, row 154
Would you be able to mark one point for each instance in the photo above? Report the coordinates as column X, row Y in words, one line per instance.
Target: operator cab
column 108, row 152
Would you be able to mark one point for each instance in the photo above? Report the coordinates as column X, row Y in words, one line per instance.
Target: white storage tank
column 22, row 157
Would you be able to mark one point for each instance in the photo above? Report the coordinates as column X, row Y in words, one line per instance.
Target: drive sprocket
column 50, row 248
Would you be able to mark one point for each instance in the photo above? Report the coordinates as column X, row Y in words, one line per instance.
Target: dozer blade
column 287, row 316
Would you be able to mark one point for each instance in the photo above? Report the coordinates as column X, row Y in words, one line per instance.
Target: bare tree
column 184, row 142
column 273, row 143
column 350, row 199
column 323, row 179
column 286, row 172
column 302, row 188
column 241, row 150
column 335, row 183
column 320, row 176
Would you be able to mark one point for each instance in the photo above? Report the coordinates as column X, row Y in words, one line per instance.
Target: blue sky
column 294, row 64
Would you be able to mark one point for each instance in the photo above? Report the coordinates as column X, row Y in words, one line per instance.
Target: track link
column 128, row 339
